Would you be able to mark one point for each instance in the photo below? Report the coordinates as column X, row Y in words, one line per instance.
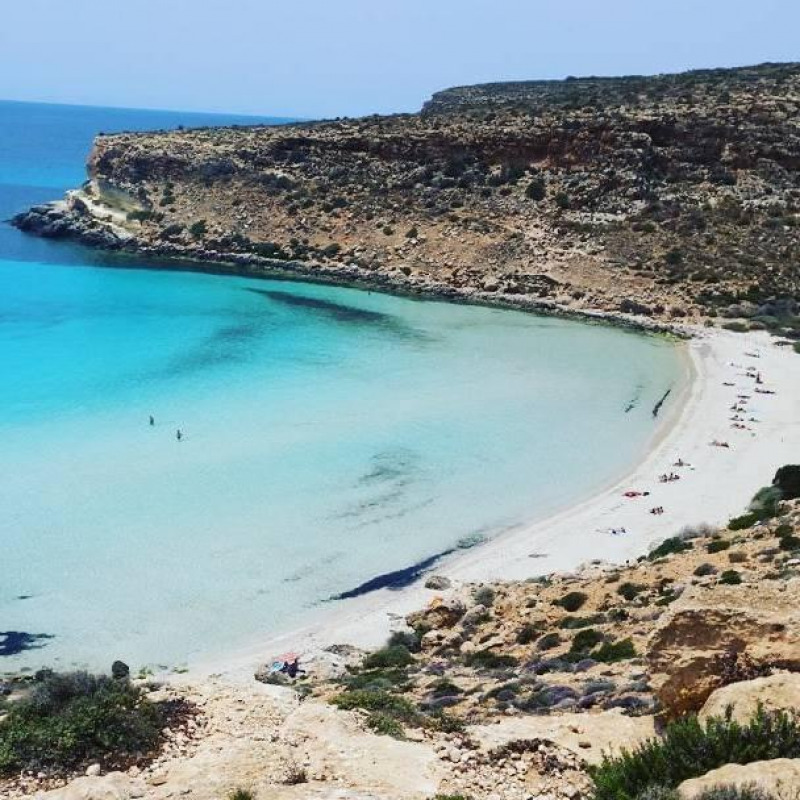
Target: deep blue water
column 329, row 435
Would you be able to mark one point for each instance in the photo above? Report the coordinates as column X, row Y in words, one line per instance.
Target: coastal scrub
column 71, row 719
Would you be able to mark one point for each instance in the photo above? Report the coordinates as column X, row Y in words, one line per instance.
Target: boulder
column 438, row 583
column 780, row 692
column 120, row 670
column 696, row 640
column 444, row 613
column 778, row 778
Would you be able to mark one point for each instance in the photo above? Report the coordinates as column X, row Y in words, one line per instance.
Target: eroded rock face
column 779, row 778
column 443, row 614
column 779, row 692
column 693, row 644
column 652, row 198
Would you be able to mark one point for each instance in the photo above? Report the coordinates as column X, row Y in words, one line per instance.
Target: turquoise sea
column 329, row 435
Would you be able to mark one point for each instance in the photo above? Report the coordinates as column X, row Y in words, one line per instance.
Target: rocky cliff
column 670, row 196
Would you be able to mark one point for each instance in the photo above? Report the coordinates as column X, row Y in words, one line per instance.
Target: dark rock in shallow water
column 120, row 670
column 13, row 643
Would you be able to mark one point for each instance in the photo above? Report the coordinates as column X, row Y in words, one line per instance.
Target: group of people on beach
column 178, row 432
column 668, row 477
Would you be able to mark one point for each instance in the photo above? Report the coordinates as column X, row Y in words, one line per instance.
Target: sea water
column 329, row 435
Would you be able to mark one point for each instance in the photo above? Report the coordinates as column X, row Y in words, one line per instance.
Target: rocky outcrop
column 697, row 641
column 779, row 692
column 442, row 613
column 778, row 779
column 59, row 221
column 658, row 198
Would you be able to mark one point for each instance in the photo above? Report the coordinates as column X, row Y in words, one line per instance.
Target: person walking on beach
column 178, row 434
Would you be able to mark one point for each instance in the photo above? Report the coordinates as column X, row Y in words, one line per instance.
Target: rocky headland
column 650, row 198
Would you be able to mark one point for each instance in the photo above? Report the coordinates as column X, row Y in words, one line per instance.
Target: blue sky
column 316, row 58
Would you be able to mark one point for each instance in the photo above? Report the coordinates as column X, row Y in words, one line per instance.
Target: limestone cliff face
column 668, row 197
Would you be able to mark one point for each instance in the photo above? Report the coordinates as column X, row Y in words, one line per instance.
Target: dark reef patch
column 339, row 312
column 13, row 643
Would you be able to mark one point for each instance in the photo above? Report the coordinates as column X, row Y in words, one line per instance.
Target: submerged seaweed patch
column 386, row 480
column 13, row 643
column 227, row 344
column 397, row 579
column 339, row 312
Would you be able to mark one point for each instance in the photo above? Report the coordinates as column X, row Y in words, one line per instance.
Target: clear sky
column 315, row 58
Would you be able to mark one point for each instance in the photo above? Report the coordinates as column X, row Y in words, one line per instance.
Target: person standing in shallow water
column 152, row 420
column 178, row 434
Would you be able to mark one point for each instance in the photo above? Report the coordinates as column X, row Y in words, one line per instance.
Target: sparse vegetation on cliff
column 666, row 198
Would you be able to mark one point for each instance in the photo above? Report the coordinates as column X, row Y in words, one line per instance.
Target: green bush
column 376, row 680
column 562, row 200
column 486, row 659
column 611, row 652
column 69, row 719
column 730, row 577
column 395, row 655
column 536, row 190
column 743, row 522
column 766, row 502
column 572, row 601
column 527, row 633
column 585, row 640
column 736, row 326
column 717, row 545
column 674, row 257
column 198, row 229
column 705, row 569
column 689, row 749
column 672, row 545
column 484, row 596
column 789, row 543
column 576, row 623
column 630, row 590
column 411, row 640
column 385, row 725
column 241, row 794
column 377, row 701
column 549, row 641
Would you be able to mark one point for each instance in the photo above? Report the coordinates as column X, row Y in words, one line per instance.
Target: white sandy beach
column 718, row 485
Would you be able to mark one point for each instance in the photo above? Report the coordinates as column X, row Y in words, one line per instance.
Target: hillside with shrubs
column 658, row 198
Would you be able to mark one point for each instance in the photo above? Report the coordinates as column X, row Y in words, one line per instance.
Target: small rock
column 92, row 770
column 438, row 582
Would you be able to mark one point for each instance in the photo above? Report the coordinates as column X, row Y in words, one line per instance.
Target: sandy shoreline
column 718, row 485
